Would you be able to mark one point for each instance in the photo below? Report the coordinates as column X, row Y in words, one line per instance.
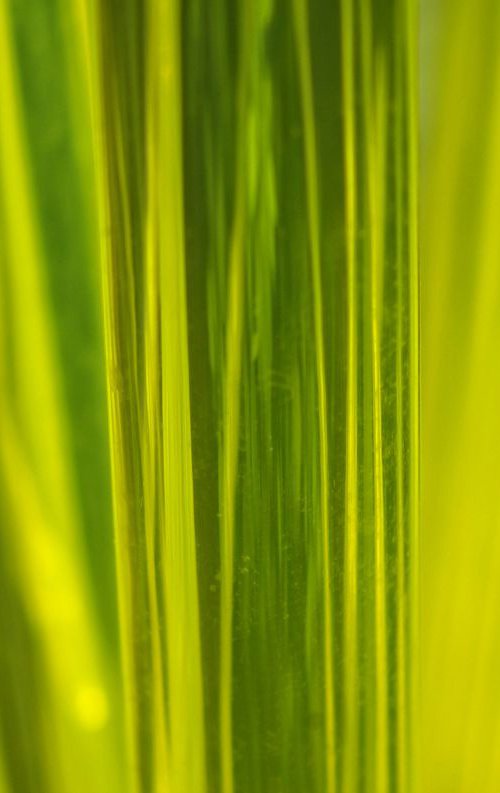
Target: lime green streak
column 351, row 689
column 230, row 459
column 403, row 776
column 377, row 220
column 306, row 90
column 374, row 108
column 154, row 509
column 232, row 407
column 413, row 653
column 186, row 753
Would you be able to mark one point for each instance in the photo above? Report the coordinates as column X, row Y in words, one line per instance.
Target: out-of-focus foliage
column 59, row 680
column 460, row 254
